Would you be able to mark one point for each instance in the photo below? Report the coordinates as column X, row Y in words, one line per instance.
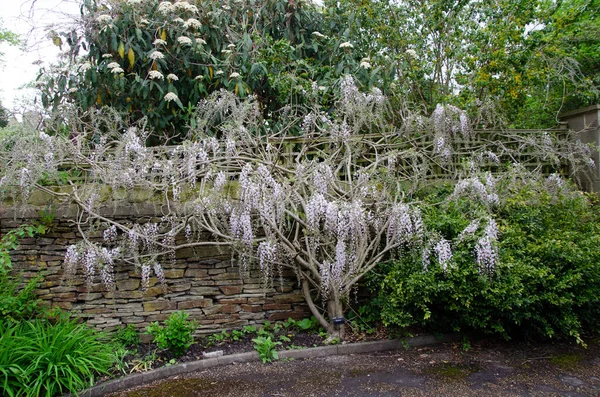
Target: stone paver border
column 145, row 378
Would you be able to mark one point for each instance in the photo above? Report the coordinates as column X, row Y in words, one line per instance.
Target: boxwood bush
column 546, row 282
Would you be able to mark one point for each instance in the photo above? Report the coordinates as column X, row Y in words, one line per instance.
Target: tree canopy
column 514, row 62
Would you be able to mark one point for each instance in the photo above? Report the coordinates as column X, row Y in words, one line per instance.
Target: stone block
column 155, row 291
column 128, row 284
column 63, row 305
column 204, row 291
column 196, row 273
column 191, row 304
column 138, row 294
column 285, row 315
column 231, row 289
column 229, row 309
column 236, row 301
column 181, row 287
column 277, row 306
column 174, row 273
column 252, row 308
column 289, row 298
column 226, row 276
column 160, row 317
column 156, row 306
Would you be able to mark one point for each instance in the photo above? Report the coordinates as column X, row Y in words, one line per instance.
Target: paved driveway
column 446, row 370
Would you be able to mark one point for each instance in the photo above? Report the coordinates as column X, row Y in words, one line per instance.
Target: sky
column 30, row 19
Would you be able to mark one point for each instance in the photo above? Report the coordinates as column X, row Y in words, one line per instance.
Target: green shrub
column 128, row 336
column 16, row 303
column 39, row 358
column 545, row 283
column 177, row 335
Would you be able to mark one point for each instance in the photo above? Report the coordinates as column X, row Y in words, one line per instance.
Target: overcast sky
column 29, row 18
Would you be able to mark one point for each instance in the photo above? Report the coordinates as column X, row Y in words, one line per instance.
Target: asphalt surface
column 485, row 369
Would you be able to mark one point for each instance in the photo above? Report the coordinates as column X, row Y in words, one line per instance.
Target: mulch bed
column 148, row 356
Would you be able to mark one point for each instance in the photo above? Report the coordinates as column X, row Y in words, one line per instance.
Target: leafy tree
column 157, row 60
column 521, row 60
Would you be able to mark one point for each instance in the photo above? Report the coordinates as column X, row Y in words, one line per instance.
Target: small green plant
column 10, row 241
column 236, row 335
column 466, row 345
column 266, row 349
column 120, row 363
column 145, row 363
column 289, row 323
column 249, row 329
column 284, row 338
column 264, row 332
column 219, row 338
column 128, row 336
column 308, row 324
column 177, row 335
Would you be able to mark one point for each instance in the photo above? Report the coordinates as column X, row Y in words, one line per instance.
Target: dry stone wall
column 203, row 281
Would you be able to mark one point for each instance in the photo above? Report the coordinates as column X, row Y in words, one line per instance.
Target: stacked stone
column 203, row 281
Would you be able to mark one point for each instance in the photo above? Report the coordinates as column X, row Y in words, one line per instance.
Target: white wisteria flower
column 346, row 44
column 85, row 66
column 73, row 90
column 154, row 55
column 411, row 53
column 159, row 42
column 319, row 35
column 117, row 70
column 113, row 65
column 171, row 96
column 184, row 40
column 234, row 75
column 144, row 22
column 155, row 75
column 225, row 51
column 106, row 56
column 192, row 23
column 173, row 77
column 104, row 18
column 199, row 77
column 219, row 73
column 179, row 20
column 134, row 2
column 200, row 41
column 231, row 45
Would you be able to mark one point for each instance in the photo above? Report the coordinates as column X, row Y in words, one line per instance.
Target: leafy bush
column 177, row 335
column 544, row 283
column 16, row 303
column 128, row 336
column 38, row 358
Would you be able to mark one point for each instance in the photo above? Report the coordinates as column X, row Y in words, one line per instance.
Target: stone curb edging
column 144, row 378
